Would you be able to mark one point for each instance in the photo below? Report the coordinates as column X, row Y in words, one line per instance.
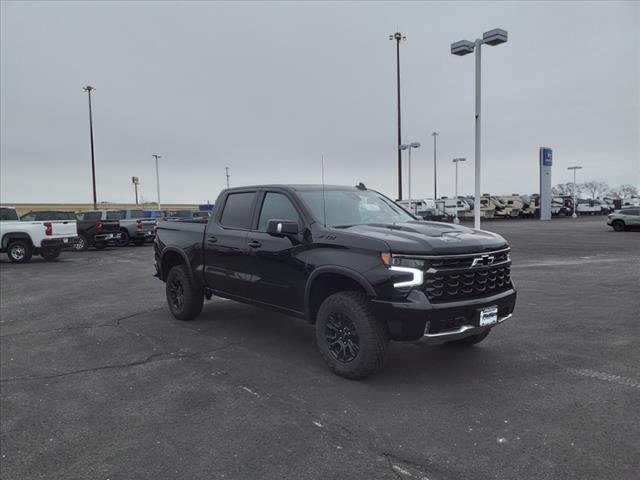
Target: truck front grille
column 469, row 283
column 468, row 276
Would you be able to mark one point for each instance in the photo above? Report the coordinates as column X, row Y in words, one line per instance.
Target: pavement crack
column 156, row 357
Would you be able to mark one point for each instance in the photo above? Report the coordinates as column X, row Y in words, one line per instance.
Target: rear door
column 632, row 217
column 279, row 277
column 226, row 268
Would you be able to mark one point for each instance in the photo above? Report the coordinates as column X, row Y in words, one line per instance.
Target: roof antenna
column 324, row 204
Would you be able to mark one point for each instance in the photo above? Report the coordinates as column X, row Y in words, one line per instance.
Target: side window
column 237, row 210
column 29, row 217
column 92, row 216
column 631, row 212
column 276, row 206
column 115, row 214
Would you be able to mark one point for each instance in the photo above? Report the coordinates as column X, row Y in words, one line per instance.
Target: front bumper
column 416, row 318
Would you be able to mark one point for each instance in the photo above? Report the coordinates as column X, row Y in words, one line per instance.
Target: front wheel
column 351, row 339
column 50, row 253
column 468, row 341
column 184, row 300
column 19, row 251
column 618, row 226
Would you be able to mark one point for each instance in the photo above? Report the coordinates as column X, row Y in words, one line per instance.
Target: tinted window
column 137, row 214
column 66, row 216
column 90, row 215
column 8, row 214
column 276, row 206
column 29, row 217
column 237, row 210
column 630, row 212
column 116, row 215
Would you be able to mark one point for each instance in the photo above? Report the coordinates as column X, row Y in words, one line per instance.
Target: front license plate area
column 489, row 315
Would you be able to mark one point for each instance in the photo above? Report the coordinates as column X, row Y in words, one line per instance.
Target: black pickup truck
column 347, row 259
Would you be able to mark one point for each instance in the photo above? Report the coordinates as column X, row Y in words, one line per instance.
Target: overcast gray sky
column 266, row 88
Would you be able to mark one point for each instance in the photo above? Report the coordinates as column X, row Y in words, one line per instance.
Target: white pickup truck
column 23, row 239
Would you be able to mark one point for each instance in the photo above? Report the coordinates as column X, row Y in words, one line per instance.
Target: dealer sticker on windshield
column 489, row 315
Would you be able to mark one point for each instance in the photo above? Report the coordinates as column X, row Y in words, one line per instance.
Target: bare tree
column 562, row 189
column 595, row 189
column 624, row 191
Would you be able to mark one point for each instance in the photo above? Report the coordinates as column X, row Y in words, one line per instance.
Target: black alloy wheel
column 342, row 337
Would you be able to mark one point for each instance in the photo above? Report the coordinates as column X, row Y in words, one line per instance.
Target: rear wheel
column 124, row 238
column 618, row 225
column 184, row 300
column 50, row 253
column 19, row 251
column 82, row 243
column 351, row 339
column 468, row 341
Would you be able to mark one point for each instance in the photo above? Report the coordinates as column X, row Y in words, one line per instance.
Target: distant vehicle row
column 511, row 206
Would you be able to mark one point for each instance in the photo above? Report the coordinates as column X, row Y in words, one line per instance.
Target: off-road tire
column 372, row 335
column 125, row 238
column 618, row 225
column 50, row 253
column 469, row 341
column 19, row 251
column 183, row 298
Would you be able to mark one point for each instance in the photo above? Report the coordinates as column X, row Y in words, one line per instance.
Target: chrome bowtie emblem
column 483, row 260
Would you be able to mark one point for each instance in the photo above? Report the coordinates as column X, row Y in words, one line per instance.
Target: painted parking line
column 607, row 377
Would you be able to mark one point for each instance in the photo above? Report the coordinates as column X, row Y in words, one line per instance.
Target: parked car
column 135, row 225
column 347, row 259
column 624, row 219
column 96, row 232
column 452, row 207
column 23, row 239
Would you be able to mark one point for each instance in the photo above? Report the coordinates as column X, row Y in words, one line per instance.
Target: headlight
column 410, row 271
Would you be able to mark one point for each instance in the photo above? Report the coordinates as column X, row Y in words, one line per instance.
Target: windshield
column 346, row 208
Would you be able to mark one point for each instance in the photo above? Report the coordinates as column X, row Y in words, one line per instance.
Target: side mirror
column 282, row 228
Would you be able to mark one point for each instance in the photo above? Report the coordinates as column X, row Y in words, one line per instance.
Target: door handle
column 212, row 240
column 254, row 244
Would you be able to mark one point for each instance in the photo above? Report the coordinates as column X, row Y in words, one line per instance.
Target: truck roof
column 295, row 187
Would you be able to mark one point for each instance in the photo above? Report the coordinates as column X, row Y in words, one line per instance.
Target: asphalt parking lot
column 98, row 381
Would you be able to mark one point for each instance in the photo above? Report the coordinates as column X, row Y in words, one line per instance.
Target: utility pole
column 435, row 168
column 135, row 181
column 90, row 89
column 226, row 169
column 157, row 178
column 398, row 37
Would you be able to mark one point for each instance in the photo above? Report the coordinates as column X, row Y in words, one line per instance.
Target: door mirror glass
column 282, row 228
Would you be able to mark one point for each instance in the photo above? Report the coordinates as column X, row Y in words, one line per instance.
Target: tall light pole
column 90, row 89
column 398, row 37
column 409, row 147
column 457, row 161
column 575, row 215
column 435, row 171
column 226, row 170
column 463, row 47
column 157, row 178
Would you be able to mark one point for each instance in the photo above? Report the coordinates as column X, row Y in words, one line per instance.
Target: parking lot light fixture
column 577, row 167
column 398, row 37
column 409, row 146
column 90, row 89
column 157, row 178
column 457, row 161
column 463, row 47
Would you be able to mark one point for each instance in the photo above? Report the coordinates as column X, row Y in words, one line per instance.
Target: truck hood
column 425, row 238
